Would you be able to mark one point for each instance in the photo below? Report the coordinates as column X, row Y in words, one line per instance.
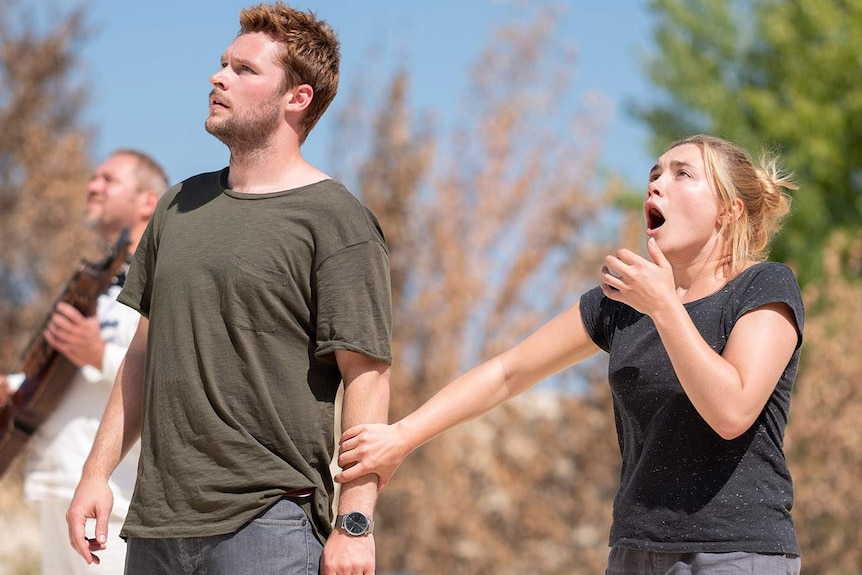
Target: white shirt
column 60, row 447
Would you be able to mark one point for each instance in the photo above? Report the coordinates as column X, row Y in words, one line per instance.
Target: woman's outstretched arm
column 380, row 449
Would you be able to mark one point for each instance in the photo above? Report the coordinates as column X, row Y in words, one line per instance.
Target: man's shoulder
column 341, row 216
column 334, row 188
column 333, row 197
column 192, row 189
column 202, row 180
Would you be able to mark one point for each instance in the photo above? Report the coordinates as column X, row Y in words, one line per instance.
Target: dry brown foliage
column 492, row 231
column 43, row 171
column 20, row 541
column 43, row 175
column 824, row 440
column 489, row 233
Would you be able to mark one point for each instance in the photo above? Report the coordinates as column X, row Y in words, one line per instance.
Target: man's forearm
column 120, row 426
column 366, row 400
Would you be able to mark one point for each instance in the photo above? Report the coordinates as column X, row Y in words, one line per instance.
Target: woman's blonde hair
column 762, row 189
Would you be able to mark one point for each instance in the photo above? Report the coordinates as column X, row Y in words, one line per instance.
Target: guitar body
column 47, row 372
column 12, row 440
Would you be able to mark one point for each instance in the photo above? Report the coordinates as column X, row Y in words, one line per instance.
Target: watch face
column 355, row 523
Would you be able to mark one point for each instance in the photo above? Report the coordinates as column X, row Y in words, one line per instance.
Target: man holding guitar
column 121, row 196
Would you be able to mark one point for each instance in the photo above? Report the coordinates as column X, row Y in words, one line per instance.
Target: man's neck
column 265, row 171
column 109, row 238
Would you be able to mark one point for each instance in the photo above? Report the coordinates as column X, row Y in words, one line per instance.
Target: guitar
column 47, row 372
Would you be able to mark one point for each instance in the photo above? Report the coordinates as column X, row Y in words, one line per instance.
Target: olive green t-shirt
column 248, row 296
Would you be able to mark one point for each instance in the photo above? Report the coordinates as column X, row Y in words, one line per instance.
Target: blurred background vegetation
column 494, row 227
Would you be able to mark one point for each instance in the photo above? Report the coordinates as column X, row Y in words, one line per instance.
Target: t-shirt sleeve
column 354, row 309
column 774, row 283
column 137, row 289
column 592, row 314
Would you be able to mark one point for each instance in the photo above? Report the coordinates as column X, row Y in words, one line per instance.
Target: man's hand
column 344, row 554
column 75, row 336
column 92, row 500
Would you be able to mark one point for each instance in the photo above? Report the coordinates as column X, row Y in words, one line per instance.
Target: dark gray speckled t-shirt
column 682, row 487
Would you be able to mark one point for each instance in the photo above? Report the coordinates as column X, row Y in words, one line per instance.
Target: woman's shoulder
column 765, row 282
column 762, row 272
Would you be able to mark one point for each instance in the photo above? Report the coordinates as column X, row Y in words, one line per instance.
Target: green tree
column 775, row 73
column 782, row 73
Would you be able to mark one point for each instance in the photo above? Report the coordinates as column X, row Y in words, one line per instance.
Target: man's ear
column 147, row 202
column 300, row 97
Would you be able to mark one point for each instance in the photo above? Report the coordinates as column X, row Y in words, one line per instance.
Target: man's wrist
column 355, row 523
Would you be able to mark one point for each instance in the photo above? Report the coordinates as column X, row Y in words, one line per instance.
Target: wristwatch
column 355, row 523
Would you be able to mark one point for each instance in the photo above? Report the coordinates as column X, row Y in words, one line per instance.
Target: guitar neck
column 47, row 373
column 82, row 291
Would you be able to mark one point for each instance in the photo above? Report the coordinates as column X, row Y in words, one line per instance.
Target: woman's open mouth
column 654, row 218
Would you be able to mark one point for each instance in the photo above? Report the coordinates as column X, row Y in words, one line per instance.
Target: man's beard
column 246, row 131
column 94, row 218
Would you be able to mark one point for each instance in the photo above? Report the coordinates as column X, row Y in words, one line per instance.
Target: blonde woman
column 703, row 338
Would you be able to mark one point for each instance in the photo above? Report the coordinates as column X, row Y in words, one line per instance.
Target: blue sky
column 147, row 66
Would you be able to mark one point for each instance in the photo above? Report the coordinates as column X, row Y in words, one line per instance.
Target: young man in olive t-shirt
column 261, row 287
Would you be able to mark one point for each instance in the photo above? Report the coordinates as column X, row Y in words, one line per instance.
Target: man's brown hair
column 308, row 52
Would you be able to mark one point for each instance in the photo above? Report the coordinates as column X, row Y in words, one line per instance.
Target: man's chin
column 92, row 221
column 217, row 130
column 210, row 126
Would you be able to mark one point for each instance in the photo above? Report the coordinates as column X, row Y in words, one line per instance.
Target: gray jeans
column 281, row 541
column 622, row 561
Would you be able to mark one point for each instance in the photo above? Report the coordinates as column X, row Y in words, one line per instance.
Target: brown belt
column 299, row 493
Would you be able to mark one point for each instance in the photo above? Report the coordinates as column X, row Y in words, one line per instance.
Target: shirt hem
column 765, row 547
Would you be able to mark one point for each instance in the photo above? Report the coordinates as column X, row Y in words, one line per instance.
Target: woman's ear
column 736, row 209
column 732, row 213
